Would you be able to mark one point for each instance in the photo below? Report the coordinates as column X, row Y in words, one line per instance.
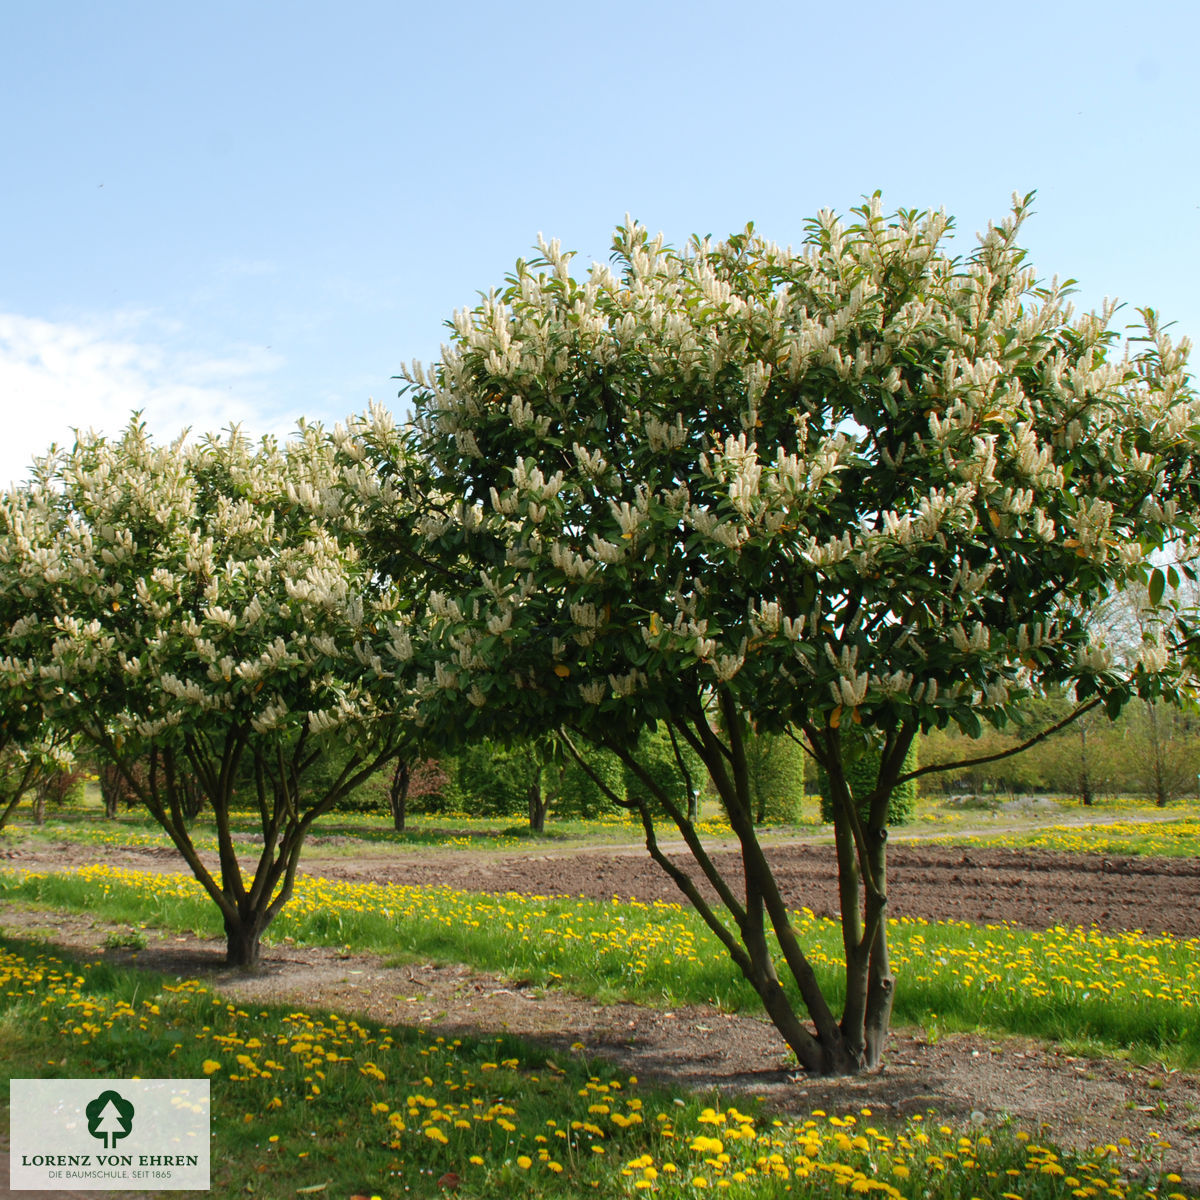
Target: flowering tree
column 193, row 613
column 862, row 488
column 30, row 747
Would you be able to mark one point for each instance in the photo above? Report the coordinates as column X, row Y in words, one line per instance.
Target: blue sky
column 255, row 211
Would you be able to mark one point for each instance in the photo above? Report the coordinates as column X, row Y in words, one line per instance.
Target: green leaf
column 1158, row 582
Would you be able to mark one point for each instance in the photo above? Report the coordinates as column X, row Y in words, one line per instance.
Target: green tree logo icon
column 109, row 1117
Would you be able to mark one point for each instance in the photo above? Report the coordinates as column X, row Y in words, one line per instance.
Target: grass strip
column 1174, row 838
column 309, row 1102
column 1122, row 993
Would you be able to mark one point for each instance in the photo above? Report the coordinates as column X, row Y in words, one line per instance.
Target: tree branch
column 987, row 758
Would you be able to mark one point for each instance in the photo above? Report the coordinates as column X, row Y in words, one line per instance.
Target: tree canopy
column 862, row 488
column 193, row 611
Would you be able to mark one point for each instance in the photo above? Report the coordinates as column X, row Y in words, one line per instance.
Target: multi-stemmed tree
column 199, row 614
column 862, row 488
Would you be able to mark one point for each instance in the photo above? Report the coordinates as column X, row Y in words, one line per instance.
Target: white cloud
column 59, row 376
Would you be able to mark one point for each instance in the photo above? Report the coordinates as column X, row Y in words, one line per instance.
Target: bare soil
column 1036, row 889
column 1075, row 1101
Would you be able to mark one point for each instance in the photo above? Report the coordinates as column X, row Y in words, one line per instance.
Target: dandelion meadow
column 1125, row 989
column 324, row 1102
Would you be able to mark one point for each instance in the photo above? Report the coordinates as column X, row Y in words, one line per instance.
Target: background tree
column 864, row 487
column 54, row 788
column 1081, row 761
column 1148, row 750
column 1051, row 764
column 775, row 766
column 1163, row 751
column 586, row 790
column 25, row 767
column 192, row 613
column 115, row 793
column 861, row 773
column 663, row 766
column 412, row 778
column 530, row 777
column 494, row 779
column 1001, row 771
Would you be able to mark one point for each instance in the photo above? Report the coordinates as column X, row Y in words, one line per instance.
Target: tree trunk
column 110, row 791
column 857, row 955
column 193, row 798
column 881, row 983
column 835, row 1059
column 881, row 993
column 19, row 788
column 9, row 808
column 242, row 940
column 398, row 795
column 39, row 809
column 1160, row 781
column 114, row 789
column 537, row 809
column 1085, row 779
column 822, row 1055
column 743, row 931
column 829, row 1052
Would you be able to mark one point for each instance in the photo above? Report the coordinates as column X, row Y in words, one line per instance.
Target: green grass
column 1116, row 826
column 1174, row 837
column 1131, row 993
column 135, row 829
column 325, row 1103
